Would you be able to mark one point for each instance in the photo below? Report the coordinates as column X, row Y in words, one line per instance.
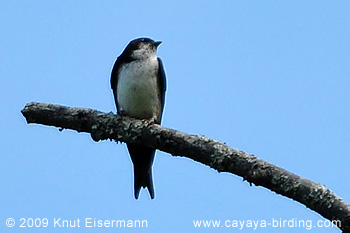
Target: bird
column 138, row 83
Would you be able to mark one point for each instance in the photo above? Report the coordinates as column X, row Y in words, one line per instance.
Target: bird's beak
column 157, row 43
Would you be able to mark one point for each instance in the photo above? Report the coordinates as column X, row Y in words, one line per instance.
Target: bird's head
column 142, row 48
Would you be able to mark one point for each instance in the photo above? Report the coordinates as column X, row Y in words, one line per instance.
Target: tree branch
column 208, row 151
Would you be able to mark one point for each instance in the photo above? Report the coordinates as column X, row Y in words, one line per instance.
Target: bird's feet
column 122, row 113
column 150, row 122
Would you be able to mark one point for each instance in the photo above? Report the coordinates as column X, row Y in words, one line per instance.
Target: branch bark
column 202, row 149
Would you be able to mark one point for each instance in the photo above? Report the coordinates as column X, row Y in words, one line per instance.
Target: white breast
column 137, row 90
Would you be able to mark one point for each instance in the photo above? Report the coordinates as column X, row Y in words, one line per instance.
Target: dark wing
column 114, row 80
column 123, row 58
column 161, row 85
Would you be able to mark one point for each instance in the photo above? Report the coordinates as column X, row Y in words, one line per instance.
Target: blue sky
column 266, row 77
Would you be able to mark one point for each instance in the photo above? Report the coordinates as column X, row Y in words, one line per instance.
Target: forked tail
column 142, row 158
